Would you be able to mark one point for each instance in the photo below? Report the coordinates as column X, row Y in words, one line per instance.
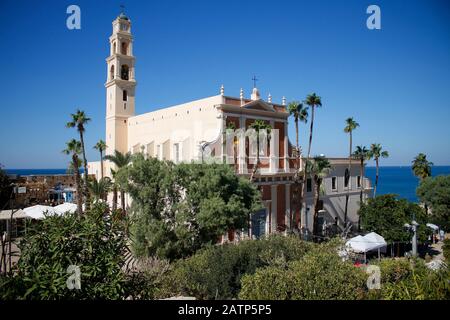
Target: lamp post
column 413, row 227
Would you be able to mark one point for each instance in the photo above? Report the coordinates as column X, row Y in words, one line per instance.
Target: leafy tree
column 350, row 126
column 387, row 215
column 73, row 147
column 101, row 147
column 79, row 121
column 93, row 242
column 435, row 193
column 177, row 209
column 120, row 160
column 376, row 153
column 300, row 114
column 421, row 166
column 317, row 169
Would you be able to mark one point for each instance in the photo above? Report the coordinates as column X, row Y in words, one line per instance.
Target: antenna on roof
column 254, row 81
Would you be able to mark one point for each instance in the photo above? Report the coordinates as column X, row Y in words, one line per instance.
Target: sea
column 398, row 180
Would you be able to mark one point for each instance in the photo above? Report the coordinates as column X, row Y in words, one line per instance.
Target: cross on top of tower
column 122, row 14
column 254, row 81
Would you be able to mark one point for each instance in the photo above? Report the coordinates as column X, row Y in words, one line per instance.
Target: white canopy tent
column 363, row 244
column 38, row 211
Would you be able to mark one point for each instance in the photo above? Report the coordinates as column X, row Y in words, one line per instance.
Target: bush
column 446, row 249
column 320, row 274
column 215, row 272
column 403, row 279
column 91, row 242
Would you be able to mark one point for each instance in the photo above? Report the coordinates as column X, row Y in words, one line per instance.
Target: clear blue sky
column 395, row 81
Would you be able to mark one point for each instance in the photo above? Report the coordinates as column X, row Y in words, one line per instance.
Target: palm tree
column 73, row 147
column 362, row 154
column 120, row 160
column 300, row 114
column 100, row 188
column 350, row 126
column 376, row 153
column 317, row 169
column 313, row 101
column 101, row 146
column 258, row 126
column 421, row 166
column 79, row 120
column 422, row 169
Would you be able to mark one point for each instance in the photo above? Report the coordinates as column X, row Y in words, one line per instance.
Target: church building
column 218, row 128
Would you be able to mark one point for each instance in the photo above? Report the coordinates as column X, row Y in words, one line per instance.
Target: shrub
column 446, row 249
column 91, row 242
column 320, row 274
column 215, row 272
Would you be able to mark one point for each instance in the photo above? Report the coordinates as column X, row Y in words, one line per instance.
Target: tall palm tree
column 350, row 126
column 318, row 168
column 258, row 126
column 376, row 153
column 300, row 114
column 100, row 188
column 79, row 121
column 421, row 166
column 313, row 101
column 101, row 146
column 362, row 154
column 120, row 160
column 73, row 147
column 422, row 169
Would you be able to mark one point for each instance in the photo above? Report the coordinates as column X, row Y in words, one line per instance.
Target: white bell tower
column 120, row 85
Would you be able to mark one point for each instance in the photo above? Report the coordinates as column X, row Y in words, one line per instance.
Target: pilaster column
column 241, row 156
column 288, row 206
column 273, row 213
column 286, row 148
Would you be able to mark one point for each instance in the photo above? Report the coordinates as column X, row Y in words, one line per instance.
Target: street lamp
column 413, row 227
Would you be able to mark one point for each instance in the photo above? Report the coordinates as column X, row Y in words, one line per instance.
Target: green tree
column 79, row 121
column 376, row 153
column 435, row 193
column 5, row 189
column 387, row 216
column 318, row 168
column 350, row 126
column 92, row 242
column 300, row 113
column 120, row 160
column 73, row 148
column 101, row 147
column 178, row 209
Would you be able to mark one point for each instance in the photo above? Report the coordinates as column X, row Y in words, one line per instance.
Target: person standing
column 441, row 235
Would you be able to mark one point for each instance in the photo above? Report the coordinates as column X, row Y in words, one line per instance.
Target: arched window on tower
column 124, row 48
column 125, row 95
column 111, row 73
column 124, row 72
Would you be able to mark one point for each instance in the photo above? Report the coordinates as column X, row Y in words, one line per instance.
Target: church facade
column 218, row 128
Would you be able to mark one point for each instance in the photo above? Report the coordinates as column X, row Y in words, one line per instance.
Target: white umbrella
column 37, row 211
column 432, row 226
column 66, row 207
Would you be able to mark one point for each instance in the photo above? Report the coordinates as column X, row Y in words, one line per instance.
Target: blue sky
column 395, row 81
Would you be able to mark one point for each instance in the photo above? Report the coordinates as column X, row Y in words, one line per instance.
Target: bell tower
column 120, row 85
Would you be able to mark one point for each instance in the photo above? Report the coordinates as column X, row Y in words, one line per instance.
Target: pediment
column 259, row 105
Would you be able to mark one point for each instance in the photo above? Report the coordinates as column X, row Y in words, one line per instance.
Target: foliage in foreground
column 215, row 272
column 387, row 215
column 178, row 209
column 94, row 242
column 320, row 274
